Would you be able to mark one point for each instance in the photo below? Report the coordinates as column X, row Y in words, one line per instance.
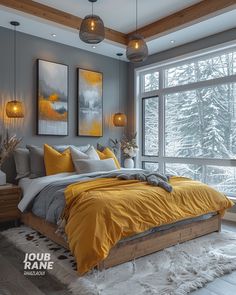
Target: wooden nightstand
column 10, row 196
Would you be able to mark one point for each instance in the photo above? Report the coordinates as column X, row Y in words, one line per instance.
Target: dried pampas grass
column 7, row 146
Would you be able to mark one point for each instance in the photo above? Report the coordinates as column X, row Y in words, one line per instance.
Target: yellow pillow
column 107, row 154
column 56, row 162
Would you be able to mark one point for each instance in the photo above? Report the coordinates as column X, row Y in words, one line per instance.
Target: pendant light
column 92, row 29
column 14, row 108
column 119, row 119
column 137, row 50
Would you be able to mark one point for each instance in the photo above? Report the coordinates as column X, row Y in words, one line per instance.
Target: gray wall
column 174, row 52
column 29, row 49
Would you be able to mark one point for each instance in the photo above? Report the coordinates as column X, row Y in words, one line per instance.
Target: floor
column 225, row 285
column 11, row 266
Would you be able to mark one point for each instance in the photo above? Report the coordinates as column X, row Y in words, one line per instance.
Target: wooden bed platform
column 128, row 250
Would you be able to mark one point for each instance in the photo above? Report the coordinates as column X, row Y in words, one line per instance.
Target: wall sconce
column 120, row 120
column 14, row 109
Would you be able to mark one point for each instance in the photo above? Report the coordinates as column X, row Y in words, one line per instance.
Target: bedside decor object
column 7, row 147
column 92, row 29
column 9, row 198
column 90, row 103
column 52, row 93
column 119, row 119
column 129, row 148
column 14, row 108
column 137, row 50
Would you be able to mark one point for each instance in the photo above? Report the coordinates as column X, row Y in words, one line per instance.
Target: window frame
column 143, row 126
column 161, row 159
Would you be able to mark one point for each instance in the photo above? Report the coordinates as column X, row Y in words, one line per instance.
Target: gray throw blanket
column 155, row 179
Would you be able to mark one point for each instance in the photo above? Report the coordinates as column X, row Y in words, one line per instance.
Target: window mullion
column 161, row 133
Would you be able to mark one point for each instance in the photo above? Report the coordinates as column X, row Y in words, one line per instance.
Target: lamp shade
column 92, row 29
column 14, row 109
column 137, row 50
column 119, row 120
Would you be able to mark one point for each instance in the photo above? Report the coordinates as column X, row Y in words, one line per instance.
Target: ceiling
column 120, row 16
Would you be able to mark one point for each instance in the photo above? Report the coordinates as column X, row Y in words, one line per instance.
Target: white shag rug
column 177, row 270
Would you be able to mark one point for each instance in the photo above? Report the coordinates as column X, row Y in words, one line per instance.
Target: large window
column 187, row 119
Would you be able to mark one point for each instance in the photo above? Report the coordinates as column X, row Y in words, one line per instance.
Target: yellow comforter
column 103, row 211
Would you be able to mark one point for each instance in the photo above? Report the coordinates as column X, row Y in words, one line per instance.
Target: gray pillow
column 37, row 167
column 61, row 148
column 88, row 166
column 22, row 161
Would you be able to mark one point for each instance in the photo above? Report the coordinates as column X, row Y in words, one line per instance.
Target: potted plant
column 129, row 148
column 7, row 146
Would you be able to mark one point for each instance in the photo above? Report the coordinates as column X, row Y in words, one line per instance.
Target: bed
column 128, row 248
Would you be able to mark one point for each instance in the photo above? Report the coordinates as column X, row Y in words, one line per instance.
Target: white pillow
column 61, row 148
column 88, row 166
column 90, row 154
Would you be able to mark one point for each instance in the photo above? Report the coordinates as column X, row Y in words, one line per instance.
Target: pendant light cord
column 119, row 84
column 92, row 8
column 136, row 16
column 14, row 63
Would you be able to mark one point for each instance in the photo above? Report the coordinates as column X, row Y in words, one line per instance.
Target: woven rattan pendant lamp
column 92, row 29
column 119, row 119
column 137, row 50
column 14, row 108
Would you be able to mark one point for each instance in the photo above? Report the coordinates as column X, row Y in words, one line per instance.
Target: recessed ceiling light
column 172, row 41
column 54, row 35
column 93, row 46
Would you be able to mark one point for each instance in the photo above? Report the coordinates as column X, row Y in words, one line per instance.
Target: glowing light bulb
column 92, row 25
column 14, row 108
column 136, row 46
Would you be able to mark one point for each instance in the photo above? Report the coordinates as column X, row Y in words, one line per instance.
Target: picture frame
column 52, row 98
column 89, row 103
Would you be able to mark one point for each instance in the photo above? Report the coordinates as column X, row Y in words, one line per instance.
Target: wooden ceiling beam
column 58, row 16
column 183, row 18
column 190, row 15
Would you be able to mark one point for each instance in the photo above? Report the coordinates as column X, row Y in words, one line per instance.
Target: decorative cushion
column 92, row 154
column 22, row 161
column 56, row 162
column 62, row 148
column 88, row 166
column 76, row 154
column 37, row 167
column 107, row 154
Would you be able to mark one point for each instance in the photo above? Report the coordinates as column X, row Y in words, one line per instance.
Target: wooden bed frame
column 128, row 250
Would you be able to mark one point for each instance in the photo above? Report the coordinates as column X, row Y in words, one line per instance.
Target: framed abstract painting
column 52, row 98
column 90, row 103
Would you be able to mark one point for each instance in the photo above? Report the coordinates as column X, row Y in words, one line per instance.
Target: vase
column 3, row 178
column 129, row 163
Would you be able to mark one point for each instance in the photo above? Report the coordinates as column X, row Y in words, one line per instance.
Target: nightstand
column 10, row 196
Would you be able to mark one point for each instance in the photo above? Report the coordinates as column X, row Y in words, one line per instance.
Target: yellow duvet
column 103, row 211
